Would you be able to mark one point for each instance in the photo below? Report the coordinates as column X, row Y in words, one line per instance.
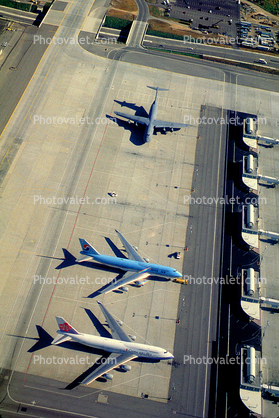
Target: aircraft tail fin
column 87, row 248
column 65, row 327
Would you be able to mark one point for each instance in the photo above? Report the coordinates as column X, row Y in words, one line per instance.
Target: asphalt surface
column 215, row 51
column 196, row 333
column 17, row 68
column 19, row 16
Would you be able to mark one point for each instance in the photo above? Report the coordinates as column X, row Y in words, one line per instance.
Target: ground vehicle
column 181, row 281
column 262, row 61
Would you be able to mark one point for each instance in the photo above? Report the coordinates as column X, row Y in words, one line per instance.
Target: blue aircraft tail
column 87, row 248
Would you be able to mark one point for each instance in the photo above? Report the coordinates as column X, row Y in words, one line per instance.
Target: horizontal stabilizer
column 60, row 339
column 157, row 88
column 85, row 258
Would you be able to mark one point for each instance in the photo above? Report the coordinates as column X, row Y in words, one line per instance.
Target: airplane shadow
column 97, row 324
column 115, row 249
column 137, row 132
column 44, row 340
column 139, row 110
column 87, row 372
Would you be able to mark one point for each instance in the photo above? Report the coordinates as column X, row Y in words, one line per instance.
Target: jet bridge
column 274, row 236
column 268, row 141
column 266, row 179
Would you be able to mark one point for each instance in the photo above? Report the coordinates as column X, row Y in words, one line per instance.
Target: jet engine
column 133, row 337
column 108, row 376
column 125, row 367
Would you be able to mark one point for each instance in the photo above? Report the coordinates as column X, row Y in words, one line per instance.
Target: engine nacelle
column 108, row 376
column 138, row 283
column 146, row 259
column 124, row 288
column 171, row 129
column 119, row 322
column 125, row 367
column 164, row 129
column 133, row 337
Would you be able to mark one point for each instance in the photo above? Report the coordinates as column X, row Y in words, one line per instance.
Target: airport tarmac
column 62, row 156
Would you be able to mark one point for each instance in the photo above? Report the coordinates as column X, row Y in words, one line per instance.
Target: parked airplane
column 120, row 345
column 137, row 269
column 151, row 122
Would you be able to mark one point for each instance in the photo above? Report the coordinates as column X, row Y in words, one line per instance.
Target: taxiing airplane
column 151, row 122
column 120, row 345
column 137, row 269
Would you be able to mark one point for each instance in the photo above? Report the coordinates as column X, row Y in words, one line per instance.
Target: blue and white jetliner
column 151, row 122
column 137, row 269
column 120, row 346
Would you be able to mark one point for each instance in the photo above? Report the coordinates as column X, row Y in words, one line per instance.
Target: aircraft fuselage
column 149, row 130
column 131, row 265
column 112, row 345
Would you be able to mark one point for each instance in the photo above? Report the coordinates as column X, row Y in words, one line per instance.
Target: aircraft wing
column 111, row 363
column 127, row 278
column 138, row 119
column 164, row 124
column 116, row 330
column 133, row 254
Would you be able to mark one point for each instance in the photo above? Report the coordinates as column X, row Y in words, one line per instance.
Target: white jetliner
column 137, row 269
column 120, row 345
column 151, row 122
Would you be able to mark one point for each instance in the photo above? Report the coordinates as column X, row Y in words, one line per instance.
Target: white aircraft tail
column 64, row 326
